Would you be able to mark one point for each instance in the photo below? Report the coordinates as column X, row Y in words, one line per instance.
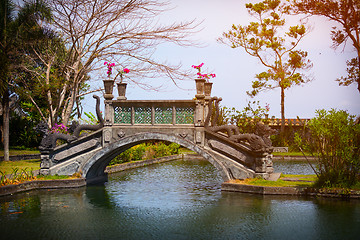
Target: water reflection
column 293, row 167
column 176, row 200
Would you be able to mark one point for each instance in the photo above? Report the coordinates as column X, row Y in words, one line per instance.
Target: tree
column 6, row 10
column 11, row 28
column 122, row 31
column 267, row 40
column 347, row 14
column 41, row 53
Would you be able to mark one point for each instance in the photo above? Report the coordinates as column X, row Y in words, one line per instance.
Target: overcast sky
column 235, row 69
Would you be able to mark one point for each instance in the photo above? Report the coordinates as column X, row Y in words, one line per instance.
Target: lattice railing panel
column 122, row 115
column 185, row 115
column 163, row 115
column 142, row 115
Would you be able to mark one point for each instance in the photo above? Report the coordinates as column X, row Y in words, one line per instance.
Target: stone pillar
column 206, row 107
column 199, row 134
column 199, row 113
column 45, row 162
column 109, row 113
column 264, row 165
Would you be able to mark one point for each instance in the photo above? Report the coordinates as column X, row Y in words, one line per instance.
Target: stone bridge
column 130, row 122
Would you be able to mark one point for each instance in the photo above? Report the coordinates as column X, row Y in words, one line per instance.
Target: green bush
column 146, row 151
column 335, row 141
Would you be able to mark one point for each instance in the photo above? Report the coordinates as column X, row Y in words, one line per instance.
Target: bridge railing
column 153, row 112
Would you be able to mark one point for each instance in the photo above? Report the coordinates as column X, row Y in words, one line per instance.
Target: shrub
column 335, row 141
column 146, row 151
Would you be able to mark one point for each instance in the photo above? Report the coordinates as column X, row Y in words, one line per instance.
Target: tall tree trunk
column 282, row 129
column 6, row 117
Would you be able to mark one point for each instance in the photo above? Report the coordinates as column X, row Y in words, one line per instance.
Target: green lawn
column 288, row 154
column 8, row 167
column 296, row 181
column 19, row 152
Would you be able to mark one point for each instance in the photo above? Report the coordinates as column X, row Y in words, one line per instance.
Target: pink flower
column 109, row 66
column 203, row 76
column 198, row 67
column 126, row 70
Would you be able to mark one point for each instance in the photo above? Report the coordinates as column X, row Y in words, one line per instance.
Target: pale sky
column 235, row 69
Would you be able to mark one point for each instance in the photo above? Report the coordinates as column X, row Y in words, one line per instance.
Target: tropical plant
column 13, row 32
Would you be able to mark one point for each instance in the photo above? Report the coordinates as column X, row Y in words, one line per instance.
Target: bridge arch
column 95, row 166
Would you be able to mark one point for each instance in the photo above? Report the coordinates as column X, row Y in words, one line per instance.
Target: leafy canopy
column 268, row 40
column 346, row 13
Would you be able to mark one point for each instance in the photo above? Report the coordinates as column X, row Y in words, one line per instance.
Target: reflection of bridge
column 129, row 122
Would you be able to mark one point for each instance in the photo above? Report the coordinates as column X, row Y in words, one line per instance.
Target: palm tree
column 14, row 32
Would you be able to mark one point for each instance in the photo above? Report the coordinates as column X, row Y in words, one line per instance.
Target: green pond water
column 175, row 200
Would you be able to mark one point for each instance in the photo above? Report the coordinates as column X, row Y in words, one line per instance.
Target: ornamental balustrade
column 154, row 112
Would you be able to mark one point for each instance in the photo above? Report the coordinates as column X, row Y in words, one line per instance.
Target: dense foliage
column 335, row 141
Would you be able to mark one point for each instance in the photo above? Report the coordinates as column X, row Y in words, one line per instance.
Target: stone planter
column 108, row 85
column 207, row 89
column 121, row 90
column 200, row 88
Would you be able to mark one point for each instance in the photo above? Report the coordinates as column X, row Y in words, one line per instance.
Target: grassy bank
column 8, row 166
column 286, row 180
column 14, row 152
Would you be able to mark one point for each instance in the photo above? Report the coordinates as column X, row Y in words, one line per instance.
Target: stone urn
column 108, row 85
column 200, row 87
column 207, row 88
column 121, row 90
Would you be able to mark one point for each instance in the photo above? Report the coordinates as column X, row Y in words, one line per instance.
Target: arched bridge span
column 95, row 166
column 131, row 122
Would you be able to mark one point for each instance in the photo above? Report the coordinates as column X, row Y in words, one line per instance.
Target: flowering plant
column 125, row 70
column 206, row 76
column 109, row 70
column 109, row 67
column 59, row 128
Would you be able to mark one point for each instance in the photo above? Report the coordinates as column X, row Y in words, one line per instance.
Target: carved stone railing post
column 109, row 114
column 199, row 120
column 199, row 113
column 45, row 162
column 263, row 165
column 109, row 121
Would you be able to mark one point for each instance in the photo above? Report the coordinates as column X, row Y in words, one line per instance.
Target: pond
column 175, row 200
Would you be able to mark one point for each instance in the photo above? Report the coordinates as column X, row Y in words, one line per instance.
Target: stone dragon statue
column 49, row 138
column 258, row 141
